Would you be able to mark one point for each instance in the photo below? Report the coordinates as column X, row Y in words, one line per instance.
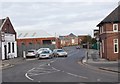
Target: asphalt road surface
column 61, row 69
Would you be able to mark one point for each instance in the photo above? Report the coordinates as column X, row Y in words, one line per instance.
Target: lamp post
column 0, row 45
column 2, row 39
column 97, row 43
column 0, row 57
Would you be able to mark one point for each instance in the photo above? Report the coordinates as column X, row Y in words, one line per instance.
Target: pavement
column 14, row 61
column 11, row 62
column 94, row 60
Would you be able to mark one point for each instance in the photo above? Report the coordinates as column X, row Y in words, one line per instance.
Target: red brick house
column 81, row 38
column 8, row 39
column 69, row 40
column 109, row 30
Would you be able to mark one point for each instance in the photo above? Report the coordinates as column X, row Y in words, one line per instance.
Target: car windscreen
column 60, row 50
column 41, row 50
column 45, row 52
column 30, row 51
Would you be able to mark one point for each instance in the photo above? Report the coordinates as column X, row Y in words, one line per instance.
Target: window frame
column 115, row 43
column 114, row 27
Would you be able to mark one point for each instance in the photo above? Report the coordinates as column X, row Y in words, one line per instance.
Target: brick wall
column 108, row 35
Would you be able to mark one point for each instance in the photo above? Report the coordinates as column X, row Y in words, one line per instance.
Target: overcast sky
column 61, row 17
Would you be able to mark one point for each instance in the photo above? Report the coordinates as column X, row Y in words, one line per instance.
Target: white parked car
column 45, row 54
column 31, row 53
column 39, row 51
column 59, row 52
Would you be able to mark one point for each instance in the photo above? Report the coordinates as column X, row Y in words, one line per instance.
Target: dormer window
column 115, row 27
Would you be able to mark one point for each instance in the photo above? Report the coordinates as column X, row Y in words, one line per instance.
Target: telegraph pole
column 87, row 48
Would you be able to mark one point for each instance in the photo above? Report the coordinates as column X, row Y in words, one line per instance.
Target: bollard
column 24, row 56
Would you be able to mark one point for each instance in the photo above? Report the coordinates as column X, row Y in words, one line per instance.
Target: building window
column 30, row 43
column 13, row 50
column 47, row 42
column 103, row 46
column 22, row 43
column 9, row 50
column 101, row 29
column 115, row 27
column 115, row 45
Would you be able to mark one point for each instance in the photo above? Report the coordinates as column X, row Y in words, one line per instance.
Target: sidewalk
column 11, row 62
column 103, row 64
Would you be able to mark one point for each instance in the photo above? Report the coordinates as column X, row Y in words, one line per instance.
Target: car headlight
column 65, row 52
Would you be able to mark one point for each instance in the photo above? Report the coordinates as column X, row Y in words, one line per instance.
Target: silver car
column 45, row 54
column 59, row 52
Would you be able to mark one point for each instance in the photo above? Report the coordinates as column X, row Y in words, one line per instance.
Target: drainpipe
column 119, row 35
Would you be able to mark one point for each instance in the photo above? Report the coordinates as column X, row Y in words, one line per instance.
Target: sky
column 60, row 17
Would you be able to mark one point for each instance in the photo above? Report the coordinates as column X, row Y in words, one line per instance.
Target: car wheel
column 57, row 55
column 65, row 55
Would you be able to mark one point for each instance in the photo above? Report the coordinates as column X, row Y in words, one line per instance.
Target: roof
column 83, row 35
column 72, row 35
column 1, row 22
column 33, row 34
column 114, row 16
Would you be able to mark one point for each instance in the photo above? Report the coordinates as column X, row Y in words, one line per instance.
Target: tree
column 87, row 39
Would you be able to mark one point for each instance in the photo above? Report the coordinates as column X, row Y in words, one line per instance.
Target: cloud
column 59, row 0
column 59, row 17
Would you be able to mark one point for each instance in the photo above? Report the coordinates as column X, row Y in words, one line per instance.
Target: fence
column 25, row 48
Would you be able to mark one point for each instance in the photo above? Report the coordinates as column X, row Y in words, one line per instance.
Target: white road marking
column 76, row 75
column 30, row 69
column 29, row 77
column 48, row 64
column 26, row 75
column 41, row 65
column 39, row 74
column 98, row 80
column 56, row 69
column 39, row 81
column 70, row 73
column 52, row 61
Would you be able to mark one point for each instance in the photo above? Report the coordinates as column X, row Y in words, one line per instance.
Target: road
column 62, row 69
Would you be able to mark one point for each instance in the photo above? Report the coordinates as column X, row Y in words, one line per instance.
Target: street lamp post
column 87, row 52
column 0, row 45
column 2, row 39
